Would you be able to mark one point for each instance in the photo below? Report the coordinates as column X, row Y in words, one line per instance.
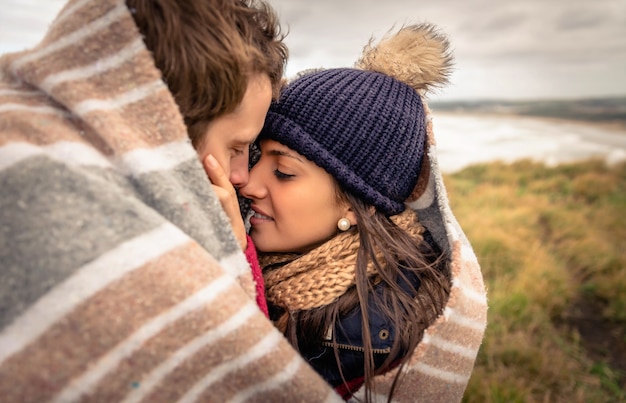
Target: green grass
column 551, row 242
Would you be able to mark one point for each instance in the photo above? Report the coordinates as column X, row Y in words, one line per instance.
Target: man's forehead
column 244, row 138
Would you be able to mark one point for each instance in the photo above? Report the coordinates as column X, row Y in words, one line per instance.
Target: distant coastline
column 606, row 112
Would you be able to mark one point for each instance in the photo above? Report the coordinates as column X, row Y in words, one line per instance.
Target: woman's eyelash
column 282, row 175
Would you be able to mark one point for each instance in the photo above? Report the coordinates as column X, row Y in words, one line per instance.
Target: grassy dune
column 552, row 246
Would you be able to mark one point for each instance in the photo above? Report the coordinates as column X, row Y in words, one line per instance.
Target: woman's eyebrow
column 281, row 153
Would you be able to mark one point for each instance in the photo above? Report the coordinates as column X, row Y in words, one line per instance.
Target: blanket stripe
column 71, row 153
column 74, row 40
column 188, row 351
column 87, row 281
column 125, row 55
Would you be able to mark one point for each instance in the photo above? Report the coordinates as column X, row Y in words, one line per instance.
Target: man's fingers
column 215, row 172
column 227, row 197
column 223, row 196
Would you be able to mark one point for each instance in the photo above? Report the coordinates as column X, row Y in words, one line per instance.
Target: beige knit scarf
column 317, row 278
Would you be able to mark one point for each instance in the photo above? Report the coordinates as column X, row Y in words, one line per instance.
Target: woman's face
column 294, row 201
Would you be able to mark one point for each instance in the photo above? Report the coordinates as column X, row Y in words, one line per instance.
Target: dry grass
column 552, row 247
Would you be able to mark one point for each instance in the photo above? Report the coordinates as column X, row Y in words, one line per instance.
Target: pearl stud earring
column 343, row 224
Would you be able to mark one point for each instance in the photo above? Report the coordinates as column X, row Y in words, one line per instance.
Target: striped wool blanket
column 120, row 277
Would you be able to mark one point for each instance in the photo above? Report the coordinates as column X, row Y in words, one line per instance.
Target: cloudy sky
column 503, row 49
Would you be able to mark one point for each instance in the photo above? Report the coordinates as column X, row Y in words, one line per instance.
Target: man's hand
column 228, row 197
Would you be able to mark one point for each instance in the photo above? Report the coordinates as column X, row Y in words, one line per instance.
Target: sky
column 503, row 49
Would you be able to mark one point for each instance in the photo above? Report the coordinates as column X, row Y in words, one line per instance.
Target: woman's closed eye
column 283, row 176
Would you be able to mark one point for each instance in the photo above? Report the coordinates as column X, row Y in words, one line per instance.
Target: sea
column 466, row 139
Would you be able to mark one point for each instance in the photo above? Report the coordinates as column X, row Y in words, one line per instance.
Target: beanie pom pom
column 417, row 55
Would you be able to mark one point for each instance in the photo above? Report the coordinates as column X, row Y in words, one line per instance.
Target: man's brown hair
column 208, row 49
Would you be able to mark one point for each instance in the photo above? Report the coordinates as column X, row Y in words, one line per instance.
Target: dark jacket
column 349, row 337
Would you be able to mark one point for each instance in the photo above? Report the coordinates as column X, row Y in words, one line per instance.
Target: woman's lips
column 259, row 217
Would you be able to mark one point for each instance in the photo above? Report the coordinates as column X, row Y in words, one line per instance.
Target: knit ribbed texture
column 364, row 128
column 322, row 275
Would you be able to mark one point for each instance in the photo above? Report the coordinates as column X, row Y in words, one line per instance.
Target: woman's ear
column 351, row 216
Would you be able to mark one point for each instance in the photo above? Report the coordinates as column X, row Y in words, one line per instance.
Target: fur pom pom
column 417, row 55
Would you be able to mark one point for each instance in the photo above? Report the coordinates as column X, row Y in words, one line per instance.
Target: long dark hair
column 397, row 257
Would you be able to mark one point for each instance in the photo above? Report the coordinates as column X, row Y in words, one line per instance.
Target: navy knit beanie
column 364, row 128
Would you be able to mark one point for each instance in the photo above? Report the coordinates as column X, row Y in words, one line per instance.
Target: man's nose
column 239, row 175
